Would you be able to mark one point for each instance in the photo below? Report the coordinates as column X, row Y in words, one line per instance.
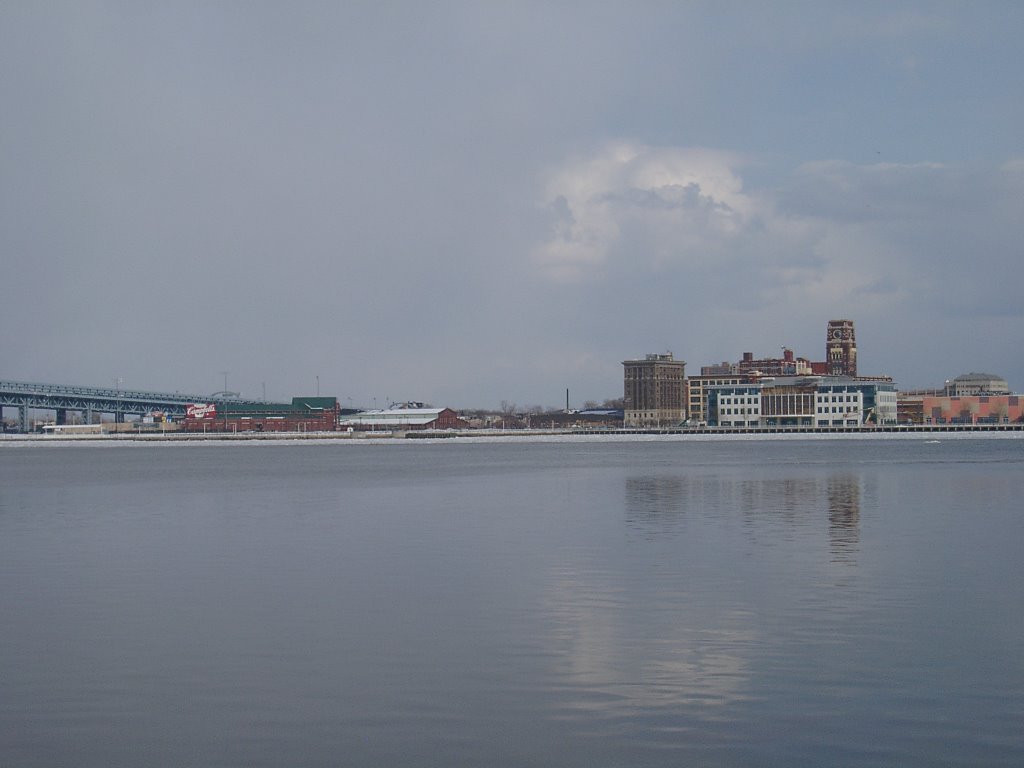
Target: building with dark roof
column 302, row 414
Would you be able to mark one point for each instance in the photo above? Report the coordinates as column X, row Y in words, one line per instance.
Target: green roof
column 298, row 405
column 327, row 403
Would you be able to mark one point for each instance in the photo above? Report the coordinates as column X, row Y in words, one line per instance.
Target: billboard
column 201, row 411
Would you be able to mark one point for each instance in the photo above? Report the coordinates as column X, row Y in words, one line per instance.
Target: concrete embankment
column 964, row 430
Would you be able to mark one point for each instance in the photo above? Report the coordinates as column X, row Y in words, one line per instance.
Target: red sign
column 201, row 411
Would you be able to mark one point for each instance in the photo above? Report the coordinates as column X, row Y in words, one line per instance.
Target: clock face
column 837, row 334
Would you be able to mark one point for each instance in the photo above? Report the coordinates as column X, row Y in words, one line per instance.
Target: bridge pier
column 88, row 415
column 62, row 417
column 23, row 418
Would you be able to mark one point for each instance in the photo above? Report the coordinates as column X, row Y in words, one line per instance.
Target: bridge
column 90, row 400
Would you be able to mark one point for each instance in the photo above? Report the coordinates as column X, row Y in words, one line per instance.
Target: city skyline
column 466, row 204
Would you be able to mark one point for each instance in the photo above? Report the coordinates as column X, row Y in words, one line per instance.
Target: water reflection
column 844, row 518
column 609, row 667
column 655, row 502
column 655, row 505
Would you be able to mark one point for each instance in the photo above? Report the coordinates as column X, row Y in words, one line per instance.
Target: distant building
column 719, row 369
column 977, row 384
column 787, row 365
column 840, row 358
column 973, row 398
column 403, row 420
column 808, row 401
column 841, row 348
column 655, row 391
column 965, row 409
column 697, row 388
column 302, row 414
column 588, row 418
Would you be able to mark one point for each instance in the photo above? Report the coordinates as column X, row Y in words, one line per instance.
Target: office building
column 655, row 391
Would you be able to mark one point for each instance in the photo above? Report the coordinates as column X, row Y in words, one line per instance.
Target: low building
column 588, row 418
column 976, row 384
column 787, row 365
column 812, row 401
column 971, row 409
column 403, row 420
column 302, row 414
column 697, row 388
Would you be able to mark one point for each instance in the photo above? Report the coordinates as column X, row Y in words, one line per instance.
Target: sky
column 466, row 203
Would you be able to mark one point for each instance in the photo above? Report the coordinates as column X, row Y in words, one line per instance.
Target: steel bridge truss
column 89, row 400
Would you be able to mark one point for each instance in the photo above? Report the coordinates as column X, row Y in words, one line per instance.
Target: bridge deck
column 63, row 397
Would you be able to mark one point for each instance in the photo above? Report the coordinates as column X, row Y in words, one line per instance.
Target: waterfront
column 577, row 602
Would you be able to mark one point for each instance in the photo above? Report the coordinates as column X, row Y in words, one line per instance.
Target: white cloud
column 676, row 200
column 673, row 242
column 831, row 232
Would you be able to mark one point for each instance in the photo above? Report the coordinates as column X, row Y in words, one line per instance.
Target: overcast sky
column 464, row 203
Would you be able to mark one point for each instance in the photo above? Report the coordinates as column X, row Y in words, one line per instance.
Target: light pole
column 117, row 401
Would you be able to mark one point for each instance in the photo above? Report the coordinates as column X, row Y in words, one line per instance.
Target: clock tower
column 841, row 348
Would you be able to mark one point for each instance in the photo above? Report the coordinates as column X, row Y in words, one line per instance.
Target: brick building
column 302, row 414
column 655, row 391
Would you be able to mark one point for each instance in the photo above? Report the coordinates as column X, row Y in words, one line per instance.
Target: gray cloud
column 425, row 201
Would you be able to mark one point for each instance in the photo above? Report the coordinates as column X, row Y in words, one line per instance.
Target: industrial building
column 655, row 391
column 402, row 420
column 302, row 414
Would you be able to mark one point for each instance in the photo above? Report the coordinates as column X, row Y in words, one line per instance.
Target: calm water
column 513, row 604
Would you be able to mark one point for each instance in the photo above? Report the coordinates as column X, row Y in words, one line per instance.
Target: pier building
column 403, row 420
column 806, row 401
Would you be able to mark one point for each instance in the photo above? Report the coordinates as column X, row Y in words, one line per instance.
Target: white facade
column 806, row 402
column 838, row 409
column 741, row 409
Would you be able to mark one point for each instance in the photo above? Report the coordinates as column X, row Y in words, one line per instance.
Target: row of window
column 817, row 423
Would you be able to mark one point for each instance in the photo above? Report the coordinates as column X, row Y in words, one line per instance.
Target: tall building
column 841, row 348
column 655, row 391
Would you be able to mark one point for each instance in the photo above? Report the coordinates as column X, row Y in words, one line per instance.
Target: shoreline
column 704, row 434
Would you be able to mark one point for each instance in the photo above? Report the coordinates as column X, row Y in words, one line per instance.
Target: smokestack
column 566, row 399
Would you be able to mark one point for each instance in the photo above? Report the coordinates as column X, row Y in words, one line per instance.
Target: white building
column 816, row 401
column 402, row 419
